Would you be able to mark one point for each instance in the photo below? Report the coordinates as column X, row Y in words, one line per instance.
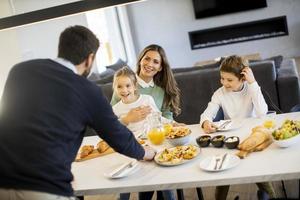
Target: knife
column 222, row 161
column 123, row 168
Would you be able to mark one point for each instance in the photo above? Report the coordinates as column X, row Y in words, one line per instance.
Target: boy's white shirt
column 249, row 102
column 121, row 109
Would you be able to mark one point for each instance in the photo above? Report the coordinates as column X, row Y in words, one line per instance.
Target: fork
column 217, row 161
column 222, row 126
column 122, row 169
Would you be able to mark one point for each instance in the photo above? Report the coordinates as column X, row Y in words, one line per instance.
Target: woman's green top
column 158, row 95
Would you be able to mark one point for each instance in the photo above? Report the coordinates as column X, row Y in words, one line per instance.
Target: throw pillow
column 107, row 73
column 119, row 64
column 277, row 60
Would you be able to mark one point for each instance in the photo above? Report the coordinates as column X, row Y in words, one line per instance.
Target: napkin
column 123, row 170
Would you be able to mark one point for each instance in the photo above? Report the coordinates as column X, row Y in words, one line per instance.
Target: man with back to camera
column 46, row 106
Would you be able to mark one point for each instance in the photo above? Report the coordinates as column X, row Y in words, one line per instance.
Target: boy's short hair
column 76, row 43
column 234, row 64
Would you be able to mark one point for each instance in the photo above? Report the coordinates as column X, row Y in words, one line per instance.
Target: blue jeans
column 166, row 195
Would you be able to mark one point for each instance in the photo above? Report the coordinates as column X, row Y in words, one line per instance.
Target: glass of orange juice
column 156, row 135
column 270, row 120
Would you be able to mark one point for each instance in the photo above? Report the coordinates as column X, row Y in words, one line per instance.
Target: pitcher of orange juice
column 156, row 131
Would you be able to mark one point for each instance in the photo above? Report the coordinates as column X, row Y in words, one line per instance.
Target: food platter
column 177, row 155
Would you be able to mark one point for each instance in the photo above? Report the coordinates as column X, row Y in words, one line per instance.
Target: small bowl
column 203, row 141
column 179, row 141
column 232, row 142
column 218, row 141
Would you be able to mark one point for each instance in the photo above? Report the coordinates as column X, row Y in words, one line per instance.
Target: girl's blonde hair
column 164, row 79
column 234, row 64
column 125, row 71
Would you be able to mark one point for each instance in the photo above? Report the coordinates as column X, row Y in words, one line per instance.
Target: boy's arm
column 211, row 110
column 259, row 104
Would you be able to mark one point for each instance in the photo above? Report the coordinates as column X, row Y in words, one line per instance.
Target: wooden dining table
column 272, row 164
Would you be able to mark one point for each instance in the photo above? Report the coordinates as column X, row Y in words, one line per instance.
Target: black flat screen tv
column 208, row 8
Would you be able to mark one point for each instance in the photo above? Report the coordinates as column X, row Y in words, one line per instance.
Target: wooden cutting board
column 94, row 154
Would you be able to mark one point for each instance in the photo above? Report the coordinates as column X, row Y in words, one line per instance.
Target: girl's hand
column 136, row 114
column 209, row 127
column 248, row 74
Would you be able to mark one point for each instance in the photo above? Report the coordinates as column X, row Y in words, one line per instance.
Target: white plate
column 124, row 173
column 208, row 163
column 177, row 163
column 233, row 125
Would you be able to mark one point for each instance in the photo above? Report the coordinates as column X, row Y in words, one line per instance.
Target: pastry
column 102, row 146
column 86, row 150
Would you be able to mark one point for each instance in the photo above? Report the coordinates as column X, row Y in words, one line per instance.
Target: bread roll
column 102, row 146
column 86, row 150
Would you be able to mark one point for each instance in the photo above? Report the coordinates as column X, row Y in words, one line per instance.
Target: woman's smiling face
column 150, row 65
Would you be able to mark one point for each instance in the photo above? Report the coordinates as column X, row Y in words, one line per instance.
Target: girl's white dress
column 121, row 109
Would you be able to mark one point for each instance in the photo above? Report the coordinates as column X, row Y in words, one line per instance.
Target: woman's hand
column 248, row 74
column 176, row 124
column 209, row 127
column 136, row 114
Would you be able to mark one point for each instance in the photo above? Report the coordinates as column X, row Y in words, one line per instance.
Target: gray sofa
column 280, row 87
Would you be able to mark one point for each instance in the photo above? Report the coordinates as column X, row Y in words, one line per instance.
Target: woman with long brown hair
column 155, row 78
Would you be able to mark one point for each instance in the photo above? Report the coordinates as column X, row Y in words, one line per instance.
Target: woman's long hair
column 164, row 79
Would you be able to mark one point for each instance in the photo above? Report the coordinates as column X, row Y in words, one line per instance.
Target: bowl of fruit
column 288, row 134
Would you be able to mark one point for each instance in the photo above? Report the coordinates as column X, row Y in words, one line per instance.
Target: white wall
column 167, row 23
column 39, row 40
column 9, row 49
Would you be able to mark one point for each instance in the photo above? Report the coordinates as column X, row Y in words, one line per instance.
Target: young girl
column 125, row 87
column 239, row 97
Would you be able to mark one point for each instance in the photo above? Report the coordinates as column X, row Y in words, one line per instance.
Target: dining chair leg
column 80, row 197
column 199, row 193
column 283, row 188
column 159, row 195
column 299, row 189
column 180, row 195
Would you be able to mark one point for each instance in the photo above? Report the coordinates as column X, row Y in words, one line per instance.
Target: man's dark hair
column 76, row 43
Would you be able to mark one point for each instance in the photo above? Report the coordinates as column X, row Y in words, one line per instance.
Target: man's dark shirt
column 45, row 109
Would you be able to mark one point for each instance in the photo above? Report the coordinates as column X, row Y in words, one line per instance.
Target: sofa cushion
column 265, row 75
column 196, row 88
column 107, row 90
column 194, row 68
column 118, row 65
column 277, row 60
